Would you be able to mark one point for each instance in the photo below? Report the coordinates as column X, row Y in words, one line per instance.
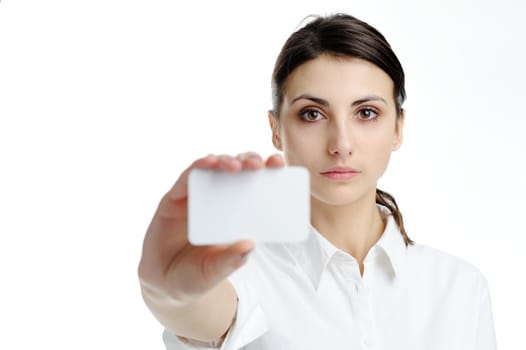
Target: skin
column 340, row 112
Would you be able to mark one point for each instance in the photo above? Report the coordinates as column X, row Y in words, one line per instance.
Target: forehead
column 335, row 78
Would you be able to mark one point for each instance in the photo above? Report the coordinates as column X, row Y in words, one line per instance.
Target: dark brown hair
column 342, row 35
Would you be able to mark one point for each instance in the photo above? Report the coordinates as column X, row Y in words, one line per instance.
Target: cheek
column 300, row 144
column 294, row 147
column 376, row 149
column 378, row 142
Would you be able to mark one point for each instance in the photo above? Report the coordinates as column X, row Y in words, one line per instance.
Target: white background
column 104, row 102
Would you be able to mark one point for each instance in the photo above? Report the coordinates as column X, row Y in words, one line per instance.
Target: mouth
column 340, row 173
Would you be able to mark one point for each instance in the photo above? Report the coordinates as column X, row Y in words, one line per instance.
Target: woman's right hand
column 171, row 268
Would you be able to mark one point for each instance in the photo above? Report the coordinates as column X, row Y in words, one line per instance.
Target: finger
column 180, row 189
column 229, row 163
column 171, row 205
column 250, row 161
column 218, row 266
column 275, row 161
column 204, row 267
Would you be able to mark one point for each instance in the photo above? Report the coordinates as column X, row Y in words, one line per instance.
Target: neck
column 353, row 228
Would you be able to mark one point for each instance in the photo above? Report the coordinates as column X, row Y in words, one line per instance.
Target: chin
column 336, row 198
column 340, row 195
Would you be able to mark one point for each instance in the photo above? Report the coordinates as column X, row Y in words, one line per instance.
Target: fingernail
column 245, row 254
column 226, row 158
column 242, row 156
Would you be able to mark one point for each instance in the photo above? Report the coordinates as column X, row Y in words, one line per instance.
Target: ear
column 274, row 126
column 399, row 131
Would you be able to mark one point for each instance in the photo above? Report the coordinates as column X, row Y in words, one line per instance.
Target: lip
column 340, row 173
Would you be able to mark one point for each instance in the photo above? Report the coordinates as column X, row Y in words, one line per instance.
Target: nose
column 340, row 139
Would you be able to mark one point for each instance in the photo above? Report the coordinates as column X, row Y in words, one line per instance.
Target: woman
column 358, row 281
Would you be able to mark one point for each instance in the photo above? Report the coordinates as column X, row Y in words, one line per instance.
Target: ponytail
column 385, row 199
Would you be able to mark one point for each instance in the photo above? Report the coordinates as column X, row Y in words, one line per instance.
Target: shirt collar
column 392, row 243
column 315, row 253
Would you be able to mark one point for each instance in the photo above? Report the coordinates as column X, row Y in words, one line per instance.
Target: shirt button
column 361, row 289
column 369, row 342
column 364, row 291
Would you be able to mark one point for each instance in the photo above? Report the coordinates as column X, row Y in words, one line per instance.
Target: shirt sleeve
column 250, row 322
column 486, row 339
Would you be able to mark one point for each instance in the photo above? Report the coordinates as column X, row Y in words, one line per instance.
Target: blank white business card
column 267, row 205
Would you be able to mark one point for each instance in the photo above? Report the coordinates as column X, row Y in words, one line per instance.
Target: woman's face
column 338, row 112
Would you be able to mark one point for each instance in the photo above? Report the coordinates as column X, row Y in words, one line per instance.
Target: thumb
column 221, row 264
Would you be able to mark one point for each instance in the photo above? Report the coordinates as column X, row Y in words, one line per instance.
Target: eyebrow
column 325, row 103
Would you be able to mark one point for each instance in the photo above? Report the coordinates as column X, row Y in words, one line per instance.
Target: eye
column 310, row 115
column 367, row 114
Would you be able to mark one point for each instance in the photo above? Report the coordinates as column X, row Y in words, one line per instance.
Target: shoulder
column 444, row 268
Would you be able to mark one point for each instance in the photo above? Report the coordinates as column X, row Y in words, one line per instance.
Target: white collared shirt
column 310, row 295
